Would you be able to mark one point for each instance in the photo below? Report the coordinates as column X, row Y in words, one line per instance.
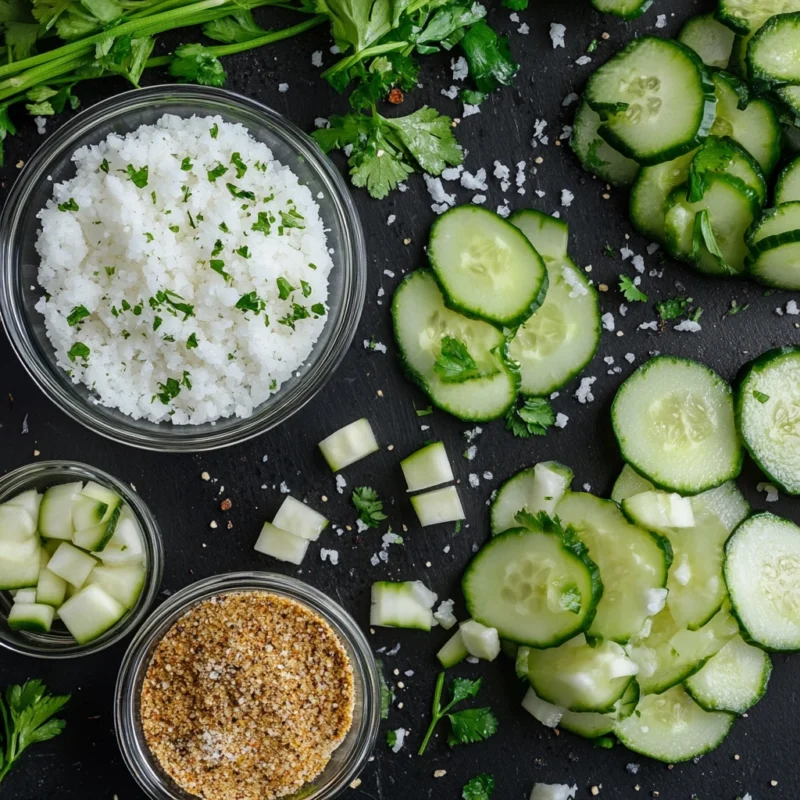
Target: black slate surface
column 84, row 763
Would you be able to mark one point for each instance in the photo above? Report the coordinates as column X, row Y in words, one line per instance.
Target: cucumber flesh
column 97, row 537
column 399, row 605
column 438, row 506
column 427, row 467
column 297, row 518
column 725, row 156
column 50, row 589
column 35, row 617
column 787, row 187
column 55, row 511
column 521, row 663
column 734, row 680
column 16, row 524
column 24, row 596
column 20, row 572
column 671, row 727
column 629, row 483
column 747, row 16
column 90, row 613
column 772, row 52
column 480, row 641
column 30, row 500
column 655, row 510
column 126, row 546
column 627, row 9
column 94, row 505
column 726, row 503
column 349, row 444
column 453, row 652
column 779, row 225
column 535, row 588
column 123, row 583
column 709, row 38
column 485, row 266
column 673, row 419
column 71, row 564
column 538, row 488
column 778, row 267
column 281, row 544
column 550, row 236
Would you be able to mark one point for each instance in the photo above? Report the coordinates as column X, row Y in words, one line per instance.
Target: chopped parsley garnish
column 423, row 412
column 284, row 288
column 224, row 228
column 369, row 506
column 455, row 364
column 735, row 308
column 70, row 205
column 77, row 314
column 149, row 236
column 191, row 219
column 306, row 288
column 318, row 309
column 298, row 312
column 186, row 164
column 217, row 172
column 672, row 308
column 219, row 266
column 168, row 297
column 760, row 396
column 214, row 132
column 532, row 419
column 592, row 46
column 241, row 167
column 391, row 738
column 481, row 787
column 187, row 193
column 218, row 248
column 157, row 323
column 78, row 350
column 243, row 251
column 191, row 342
column 631, row 292
column 241, row 193
column 153, row 197
column 609, row 250
column 175, row 228
column 110, row 271
column 139, row 177
column 251, row 302
column 126, row 306
column 105, row 166
column 169, row 391
column 292, row 219
column 262, row 224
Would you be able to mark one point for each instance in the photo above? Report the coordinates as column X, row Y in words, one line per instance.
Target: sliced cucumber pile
column 787, row 187
column 295, row 525
column 73, row 557
column 710, row 39
column 774, row 242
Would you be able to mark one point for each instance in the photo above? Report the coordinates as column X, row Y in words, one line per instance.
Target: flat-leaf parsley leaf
column 369, row 506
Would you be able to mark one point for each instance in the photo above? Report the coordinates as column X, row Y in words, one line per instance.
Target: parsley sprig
column 631, row 291
column 481, row 787
column 533, row 418
column 369, row 506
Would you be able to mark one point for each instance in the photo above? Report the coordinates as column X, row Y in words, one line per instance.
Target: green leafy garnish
column 455, row 364
column 77, row 314
column 263, row 224
column 194, row 63
column 423, row 412
column 391, row 738
column 369, row 506
column 240, row 193
column 251, row 302
column 305, row 287
column 542, row 522
column 292, row 219
column 703, row 232
column 760, row 396
column 736, row 307
column 387, row 695
column 672, row 308
column 241, row 167
column 217, row 172
column 214, row 131
column 138, row 177
column 169, row 391
column 218, row 265
column 481, row 787
column 471, row 725
column 70, row 205
column 318, row 309
column 630, row 291
column 284, row 288
column 105, row 166
column 191, row 342
column 186, row 164
column 489, row 58
column 532, row 419
column 78, row 350
column 243, row 251
column 299, row 312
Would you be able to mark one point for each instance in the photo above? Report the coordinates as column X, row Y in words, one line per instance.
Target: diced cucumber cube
column 29, row 500
column 50, row 546
column 440, row 505
column 20, row 571
column 444, row 615
column 349, row 444
column 547, row 713
column 25, row 596
column 97, row 537
column 90, row 613
column 281, row 544
column 297, row 518
column 398, row 605
column 35, row 617
column 480, row 641
column 126, row 546
column 55, row 511
column 94, row 506
column 16, row 523
column 51, row 589
column 427, row 467
column 453, row 652
column 123, row 583
column 71, row 564
column 19, row 551
column 553, row 791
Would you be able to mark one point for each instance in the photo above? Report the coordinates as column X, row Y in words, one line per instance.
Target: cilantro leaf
column 704, row 233
column 369, row 506
column 448, row 25
column 428, row 137
column 760, row 396
column 481, row 787
column 218, row 265
column 377, row 165
column 631, row 292
column 391, row 738
column 471, row 725
column 236, row 28
column 250, row 302
column 463, row 688
column 542, row 522
column 489, row 58
column 714, row 156
column 464, row 728
column 217, row 172
column 194, row 63
column 139, row 177
column 356, row 24
column 191, row 342
column 533, row 419
column 284, row 288
column 454, row 363
column 78, row 350
column 671, row 308
column 77, row 314
column 263, row 224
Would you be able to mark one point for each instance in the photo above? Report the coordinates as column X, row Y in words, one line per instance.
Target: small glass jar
column 58, row 643
column 347, row 760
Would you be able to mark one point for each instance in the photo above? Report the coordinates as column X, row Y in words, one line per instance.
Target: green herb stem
column 436, row 713
column 368, row 52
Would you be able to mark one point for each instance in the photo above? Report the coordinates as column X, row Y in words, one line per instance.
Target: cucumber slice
column 538, row 488
column 16, row 524
column 50, row 589
column 485, row 266
column 71, row 564
column 550, row 236
column 55, row 511
column 297, row 518
column 438, row 506
column 20, row 569
column 670, row 653
column 124, row 583
column 734, row 680
column 709, row 38
column 97, row 537
column 453, row 652
column 762, row 570
column 651, row 191
column 777, row 226
column 30, row 500
column 788, row 100
column 480, row 641
column 726, row 503
column 747, row 16
column 561, row 338
column 35, row 617
column 349, row 444
column 666, row 110
column 772, row 52
column 755, row 127
column 126, row 546
column 671, row 727
column 778, row 267
column 90, row 613
column 768, row 414
column 281, row 544
column 401, row 605
column 634, row 560
column 629, row 483
column 627, row 9
column 580, row 677
column 655, row 510
column 19, row 551
column 725, row 156
column 546, row 713
column 596, row 154
column 673, row 419
column 537, row 589
column 427, row 467
column 422, row 323
column 787, row 187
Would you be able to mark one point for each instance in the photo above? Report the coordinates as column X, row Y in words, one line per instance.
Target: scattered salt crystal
column 479, row 199
column 652, row 248
column 460, row 68
column 472, row 660
column 503, row 210
column 634, row 768
column 791, row 308
column 583, row 60
column 772, row 492
column 340, row 484
column 539, row 193
column 330, row 555
column 472, row 434
column 638, row 263
column 524, row 29
column 316, row 58
column 649, row 326
column 609, row 359
column 557, row 32
column 283, row 87
column 452, row 173
column 399, row 738
column 284, row 488
column 321, row 122
column 625, row 253
column 623, row 309
column 584, row 391
column 566, row 198
column 561, row 420
column 474, row 480
column 476, row 182
column 630, row 358
column 470, row 109
column 452, row 92
column 390, row 219
column 688, row 325
column 608, row 321
column 470, row 452
column 569, row 99
column 41, row 125
column 576, row 285
column 661, row 21
column 361, row 526
column 438, row 194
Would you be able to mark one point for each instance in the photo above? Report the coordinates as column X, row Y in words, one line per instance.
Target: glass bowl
column 58, row 643
column 347, row 760
column 19, row 262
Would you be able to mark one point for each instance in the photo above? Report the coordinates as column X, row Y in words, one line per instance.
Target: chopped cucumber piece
column 30, row 500
column 297, row 518
column 726, row 503
column 453, row 652
column 427, row 467
column 35, row 617
column 444, row 615
column 93, row 506
column 16, row 524
column 71, row 564
column 25, row 596
column 521, row 662
column 768, row 413
column 772, row 52
column 51, row 589
column 596, row 154
column 96, row 538
column 400, row 605
column 554, row 791
column 629, row 483
column 762, row 570
column 126, row 546
column 673, row 419
column 637, row 560
column 485, row 266
column 55, row 511
column 656, row 98
column 546, row 713
column 90, row 613
column 787, row 187
column 778, row 267
column 537, row 589
column 486, row 387
column 281, row 544
column 124, row 583
column 349, row 444
column 538, row 488
column 549, row 235
column 440, row 505
column 747, row 16
column 671, row 727
column 710, row 39
column 655, row 510
column 20, row 569
column 734, row 680
column 19, row 551
column 480, row 641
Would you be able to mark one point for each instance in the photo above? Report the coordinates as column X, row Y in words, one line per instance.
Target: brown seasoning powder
column 246, row 697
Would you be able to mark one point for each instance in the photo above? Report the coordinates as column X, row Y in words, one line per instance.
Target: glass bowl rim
column 163, row 438
column 137, row 659
column 22, row 478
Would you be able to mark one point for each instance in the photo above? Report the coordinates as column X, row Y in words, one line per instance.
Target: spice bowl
column 58, row 644
column 346, row 761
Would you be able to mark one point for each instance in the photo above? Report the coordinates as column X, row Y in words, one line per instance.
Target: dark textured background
column 84, row 763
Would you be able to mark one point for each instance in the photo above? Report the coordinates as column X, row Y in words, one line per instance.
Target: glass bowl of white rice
column 181, row 268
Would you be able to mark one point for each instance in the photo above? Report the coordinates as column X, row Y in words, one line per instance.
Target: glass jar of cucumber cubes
column 81, row 559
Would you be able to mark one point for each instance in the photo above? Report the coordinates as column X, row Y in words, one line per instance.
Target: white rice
column 117, row 252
